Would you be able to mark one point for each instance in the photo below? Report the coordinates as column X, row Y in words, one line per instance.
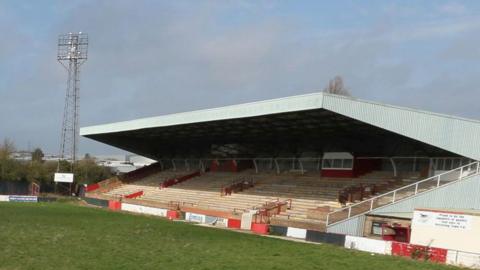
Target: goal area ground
column 70, row 236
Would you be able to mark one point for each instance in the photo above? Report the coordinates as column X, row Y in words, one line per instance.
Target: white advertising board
column 368, row 245
column 448, row 229
column 144, row 209
column 64, row 177
column 4, row 198
column 296, row 233
column 222, row 222
column 216, row 221
column 442, row 220
column 21, row 198
column 192, row 217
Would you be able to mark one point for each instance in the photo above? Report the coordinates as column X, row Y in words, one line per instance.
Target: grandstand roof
column 296, row 116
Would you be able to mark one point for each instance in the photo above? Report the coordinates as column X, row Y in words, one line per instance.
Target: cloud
column 155, row 58
column 453, row 8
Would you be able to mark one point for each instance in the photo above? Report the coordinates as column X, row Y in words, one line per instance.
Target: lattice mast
column 72, row 53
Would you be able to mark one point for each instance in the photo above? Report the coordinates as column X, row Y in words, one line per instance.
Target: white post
column 301, row 165
column 255, row 165
column 461, row 173
column 276, row 165
column 328, row 217
column 394, row 194
column 349, row 211
column 371, row 204
column 416, row 188
column 438, row 181
column 161, row 164
column 394, row 167
column 200, row 165
column 430, row 167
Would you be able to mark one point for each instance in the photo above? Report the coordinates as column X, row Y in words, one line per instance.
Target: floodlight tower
column 72, row 53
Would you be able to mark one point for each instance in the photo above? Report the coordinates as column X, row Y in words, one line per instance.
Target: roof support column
column 201, row 165
column 301, row 165
column 276, row 165
column 161, row 164
column 430, row 167
column 255, row 165
column 414, row 163
column 394, row 167
column 173, row 165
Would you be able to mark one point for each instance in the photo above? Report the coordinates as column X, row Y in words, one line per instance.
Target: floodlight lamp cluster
column 72, row 46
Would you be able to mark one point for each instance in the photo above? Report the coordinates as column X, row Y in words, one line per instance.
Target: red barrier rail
column 359, row 193
column 176, row 180
column 237, row 186
column 134, row 195
column 270, row 209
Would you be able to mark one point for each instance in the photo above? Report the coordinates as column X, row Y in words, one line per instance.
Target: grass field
column 67, row 236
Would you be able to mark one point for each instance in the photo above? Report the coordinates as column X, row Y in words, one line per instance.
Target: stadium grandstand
column 318, row 161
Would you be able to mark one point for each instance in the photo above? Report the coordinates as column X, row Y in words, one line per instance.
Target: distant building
column 120, row 164
column 22, row 156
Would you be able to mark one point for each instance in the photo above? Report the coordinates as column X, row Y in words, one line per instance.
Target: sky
column 150, row 58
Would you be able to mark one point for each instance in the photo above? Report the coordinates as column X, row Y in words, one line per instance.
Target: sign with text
column 15, row 198
column 195, row 217
column 64, row 177
column 442, row 220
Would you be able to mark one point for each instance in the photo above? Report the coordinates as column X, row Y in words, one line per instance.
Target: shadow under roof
column 288, row 120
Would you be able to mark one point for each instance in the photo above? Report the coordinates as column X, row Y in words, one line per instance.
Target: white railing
column 404, row 192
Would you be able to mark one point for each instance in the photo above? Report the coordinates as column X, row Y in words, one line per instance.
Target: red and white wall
column 435, row 254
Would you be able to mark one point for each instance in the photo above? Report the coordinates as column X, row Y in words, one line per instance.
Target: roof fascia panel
column 274, row 106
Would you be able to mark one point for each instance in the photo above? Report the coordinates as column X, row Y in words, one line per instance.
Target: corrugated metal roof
column 458, row 195
column 266, row 107
column 454, row 134
column 353, row 226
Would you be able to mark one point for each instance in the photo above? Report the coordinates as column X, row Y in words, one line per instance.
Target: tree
column 37, row 155
column 336, row 86
column 6, row 149
column 87, row 171
column 37, row 171
column 7, row 164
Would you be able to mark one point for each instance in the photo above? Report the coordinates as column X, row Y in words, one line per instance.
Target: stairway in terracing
column 402, row 193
